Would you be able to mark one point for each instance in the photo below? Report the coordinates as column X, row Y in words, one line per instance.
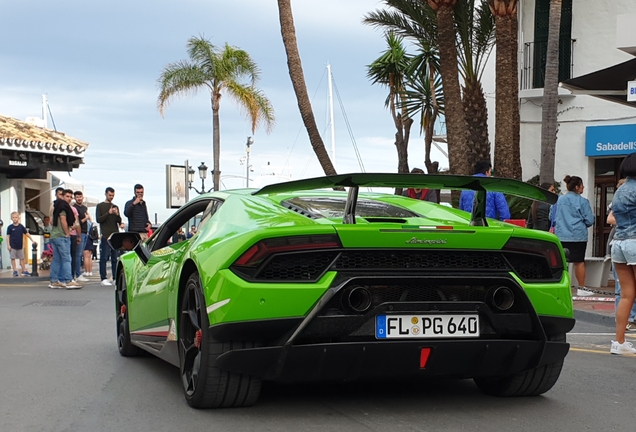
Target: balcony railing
column 534, row 58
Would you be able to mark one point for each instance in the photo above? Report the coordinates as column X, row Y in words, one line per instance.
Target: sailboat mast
column 44, row 111
column 331, row 122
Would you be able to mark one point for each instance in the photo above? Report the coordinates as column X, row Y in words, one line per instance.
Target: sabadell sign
column 615, row 140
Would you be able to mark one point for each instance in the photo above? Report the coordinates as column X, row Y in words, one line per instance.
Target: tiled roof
column 16, row 134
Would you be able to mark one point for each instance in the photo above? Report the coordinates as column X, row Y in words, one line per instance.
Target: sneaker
column 15, row 273
column 24, row 273
column 622, row 348
column 72, row 285
column 631, row 327
column 583, row 292
column 86, row 274
column 57, row 285
column 106, row 282
column 81, row 279
column 90, row 273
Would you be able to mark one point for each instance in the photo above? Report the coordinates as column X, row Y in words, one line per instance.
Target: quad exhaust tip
column 358, row 299
column 502, row 298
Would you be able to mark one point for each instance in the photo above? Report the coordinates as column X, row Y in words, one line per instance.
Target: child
column 47, row 233
column 15, row 243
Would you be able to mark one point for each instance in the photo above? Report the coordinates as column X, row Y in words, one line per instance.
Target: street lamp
column 250, row 141
column 203, row 173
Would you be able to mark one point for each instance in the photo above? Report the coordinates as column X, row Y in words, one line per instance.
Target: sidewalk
column 597, row 308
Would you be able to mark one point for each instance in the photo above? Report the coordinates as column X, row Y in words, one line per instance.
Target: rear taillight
column 264, row 248
column 549, row 250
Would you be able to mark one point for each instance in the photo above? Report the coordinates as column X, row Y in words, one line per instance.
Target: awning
column 609, row 84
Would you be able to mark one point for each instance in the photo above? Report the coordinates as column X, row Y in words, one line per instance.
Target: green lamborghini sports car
column 300, row 282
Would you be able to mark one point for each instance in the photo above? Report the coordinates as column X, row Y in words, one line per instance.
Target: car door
column 159, row 277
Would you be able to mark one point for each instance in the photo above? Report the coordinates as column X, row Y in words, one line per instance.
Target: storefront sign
column 610, row 140
column 631, row 91
column 17, row 163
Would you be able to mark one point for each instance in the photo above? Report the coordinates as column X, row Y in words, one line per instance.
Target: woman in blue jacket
column 574, row 216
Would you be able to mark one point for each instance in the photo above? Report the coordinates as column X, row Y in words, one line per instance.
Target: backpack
column 93, row 234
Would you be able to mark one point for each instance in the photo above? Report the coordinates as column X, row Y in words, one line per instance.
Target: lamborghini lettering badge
column 415, row 240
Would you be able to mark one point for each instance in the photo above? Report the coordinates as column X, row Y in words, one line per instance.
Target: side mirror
column 129, row 241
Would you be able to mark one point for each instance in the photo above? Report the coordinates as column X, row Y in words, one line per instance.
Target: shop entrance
column 606, row 175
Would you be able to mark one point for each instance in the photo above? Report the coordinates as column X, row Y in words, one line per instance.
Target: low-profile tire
column 125, row 346
column 532, row 382
column 205, row 385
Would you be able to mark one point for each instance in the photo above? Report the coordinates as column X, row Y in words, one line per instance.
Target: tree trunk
column 294, row 64
column 550, row 96
column 216, row 140
column 402, row 137
column 507, row 155
column 455, row 120
column 476, row 113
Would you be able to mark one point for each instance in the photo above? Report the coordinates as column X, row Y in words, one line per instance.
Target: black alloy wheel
column 125, row 346
column 204, row 384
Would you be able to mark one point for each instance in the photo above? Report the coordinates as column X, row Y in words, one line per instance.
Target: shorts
column 576, row 251
column 89, row 246
column 624, row 251
column 17, row 254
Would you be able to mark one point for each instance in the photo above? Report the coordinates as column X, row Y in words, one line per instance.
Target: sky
column 98, row 65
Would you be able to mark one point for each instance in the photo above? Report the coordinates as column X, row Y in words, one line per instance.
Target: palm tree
column 456, row 126
column 424, row 97
column 389, row 70
column 550, row 95
column 507, row 154
column 476, row 36
column 220, row 71
column 295, row 67
column 418, row 21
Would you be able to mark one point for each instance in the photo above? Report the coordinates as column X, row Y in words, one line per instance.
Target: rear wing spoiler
column 479, row 184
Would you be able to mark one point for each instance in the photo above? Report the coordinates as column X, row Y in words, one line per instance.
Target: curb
column 23, row 280
column 594, row 318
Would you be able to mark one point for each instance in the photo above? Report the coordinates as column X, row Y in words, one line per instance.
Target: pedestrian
column 496, row 204
column 192, row 232
column 89, row 247
column 84, row 219
column 109, row 219
column 76, row 239
column 16, row 232
column 611, row 220
column 418, row 193
column 540, row 211
column 47, row 233
column 63, row 219
column 574, row 216
column 179, row 236
column 624, row 251
column 137, row 213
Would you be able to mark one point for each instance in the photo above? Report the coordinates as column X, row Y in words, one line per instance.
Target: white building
column 28, row 154
column 595, row 35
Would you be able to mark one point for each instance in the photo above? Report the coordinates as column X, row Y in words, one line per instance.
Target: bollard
column 34, row 260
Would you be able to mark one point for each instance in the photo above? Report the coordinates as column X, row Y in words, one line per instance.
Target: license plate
column 426, row 326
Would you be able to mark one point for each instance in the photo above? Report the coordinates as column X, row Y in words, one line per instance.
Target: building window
column 535, row 52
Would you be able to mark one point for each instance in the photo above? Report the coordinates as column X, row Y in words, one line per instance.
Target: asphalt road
column 60, row 371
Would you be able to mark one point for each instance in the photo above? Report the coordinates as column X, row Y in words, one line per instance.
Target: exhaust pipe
column 358, row 299
column 502, row 298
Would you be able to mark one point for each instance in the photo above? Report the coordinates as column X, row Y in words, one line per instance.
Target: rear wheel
column 533, row 382
column 205, row 385
column 125, row 346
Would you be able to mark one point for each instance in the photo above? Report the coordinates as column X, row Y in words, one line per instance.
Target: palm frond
column 179, row 79
column 412, row 19
column 253, row 104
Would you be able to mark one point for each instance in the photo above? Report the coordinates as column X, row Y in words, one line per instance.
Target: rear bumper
column 351, row 360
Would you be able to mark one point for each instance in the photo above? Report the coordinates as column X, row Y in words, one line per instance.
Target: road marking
column 627, row 335
column 589, row 351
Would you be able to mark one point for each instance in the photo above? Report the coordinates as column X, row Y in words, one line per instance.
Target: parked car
column 290, row 283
